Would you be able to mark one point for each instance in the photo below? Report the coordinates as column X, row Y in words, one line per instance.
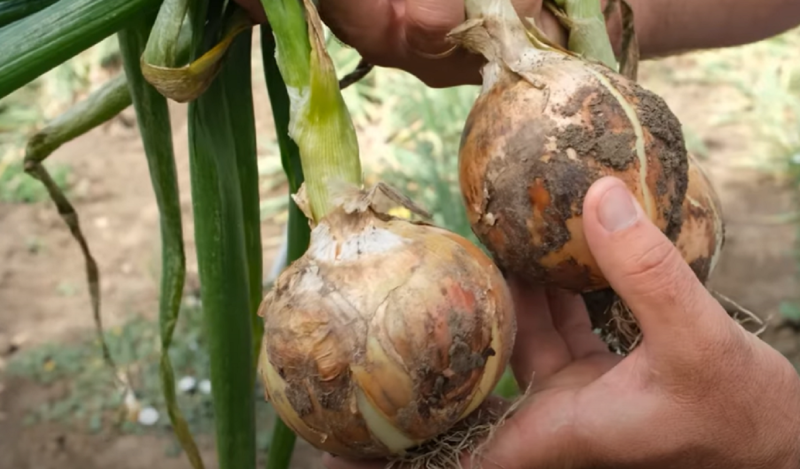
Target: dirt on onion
column 546, row 125
column 386, row 334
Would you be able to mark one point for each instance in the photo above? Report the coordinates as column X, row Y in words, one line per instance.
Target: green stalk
column 162, row 44
column 298, row 232
column 45, row 39
column 99, row 107
column 588, row 35
column 239, row 88
column 319, row 123
column 13, row 10
column 221, row 250
column 108, row 101
column 152, row 115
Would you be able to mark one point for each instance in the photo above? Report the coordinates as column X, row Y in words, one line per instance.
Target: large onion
column 546, row 126
column 385, row 334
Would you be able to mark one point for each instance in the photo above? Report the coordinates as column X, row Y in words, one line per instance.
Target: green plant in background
column 48, row 95
column 214, row 77
column 17, row 187
column 90, row 401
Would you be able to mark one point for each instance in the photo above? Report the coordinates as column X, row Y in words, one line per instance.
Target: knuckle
column 426, row 33
column 431, row 22
column 656, row 269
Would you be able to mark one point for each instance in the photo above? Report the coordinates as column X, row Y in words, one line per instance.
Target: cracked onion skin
column 544, row 128
column 384, row 334
column 702, row 235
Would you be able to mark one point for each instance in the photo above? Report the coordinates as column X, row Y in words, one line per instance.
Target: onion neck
column 500, row 9
column 319, row 123
column 499, row 34
column 588, row 35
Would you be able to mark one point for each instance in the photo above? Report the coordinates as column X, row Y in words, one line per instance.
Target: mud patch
column 701, row 267
column 608, row 137
column 577, row 101
column 669, row 145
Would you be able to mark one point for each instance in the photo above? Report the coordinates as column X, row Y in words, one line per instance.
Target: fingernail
column 617, row 210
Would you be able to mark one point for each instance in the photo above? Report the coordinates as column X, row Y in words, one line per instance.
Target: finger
column 425, row 27
column 538, row 435
column 427, row 22
column 334, row 462
column 645, row 268
column 373, row 27
column 539, row 350
column 571, row 320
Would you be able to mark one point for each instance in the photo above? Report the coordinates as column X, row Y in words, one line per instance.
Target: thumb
column 645, row 268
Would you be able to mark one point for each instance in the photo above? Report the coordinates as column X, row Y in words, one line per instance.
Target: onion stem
column 320, row 123
column 588, row 35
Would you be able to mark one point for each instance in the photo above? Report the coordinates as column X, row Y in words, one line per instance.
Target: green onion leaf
column 152, row 115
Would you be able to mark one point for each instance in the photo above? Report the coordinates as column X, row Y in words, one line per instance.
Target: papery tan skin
column 533, row 145
column 416, row 318
column 702, row 236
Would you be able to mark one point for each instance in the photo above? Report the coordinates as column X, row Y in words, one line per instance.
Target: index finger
column 370, row 26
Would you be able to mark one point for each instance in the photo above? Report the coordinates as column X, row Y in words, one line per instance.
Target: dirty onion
column 546, row 125
column 385, row 334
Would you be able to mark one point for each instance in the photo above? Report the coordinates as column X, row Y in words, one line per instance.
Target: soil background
column 43, row 294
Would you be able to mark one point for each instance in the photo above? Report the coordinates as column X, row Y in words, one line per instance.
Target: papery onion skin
column 535, row 141
column 702, row 235
column 409, row 322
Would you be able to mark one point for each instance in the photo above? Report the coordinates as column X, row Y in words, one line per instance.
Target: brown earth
column 43, row 297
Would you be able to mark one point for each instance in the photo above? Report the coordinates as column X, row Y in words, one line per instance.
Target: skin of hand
column 699, row 391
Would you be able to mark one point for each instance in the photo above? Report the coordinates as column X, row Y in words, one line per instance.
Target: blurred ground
column 42, row 286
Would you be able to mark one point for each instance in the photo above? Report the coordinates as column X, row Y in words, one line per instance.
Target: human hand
column 410, row 34
column 698, row 392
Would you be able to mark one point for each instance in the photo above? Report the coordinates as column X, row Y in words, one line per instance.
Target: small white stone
column 205, row 386
column 187, row 383
column 148, row 416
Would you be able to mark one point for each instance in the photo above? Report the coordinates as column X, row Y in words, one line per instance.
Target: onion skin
column 383, row 320
column 538, row 136
column 702, row 236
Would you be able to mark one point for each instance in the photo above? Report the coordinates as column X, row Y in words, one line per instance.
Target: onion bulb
column 385, row 334
column 702, row 235
column 547, row 124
